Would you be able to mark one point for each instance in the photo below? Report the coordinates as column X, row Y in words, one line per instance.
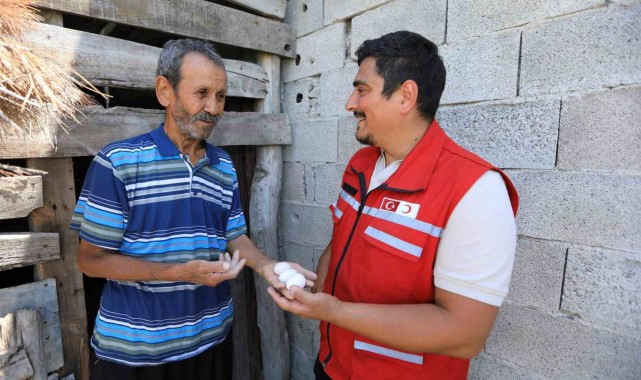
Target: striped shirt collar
column 167, row 148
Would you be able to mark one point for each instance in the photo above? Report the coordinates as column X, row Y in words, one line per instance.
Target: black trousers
column 214, row 363
column 319, row 371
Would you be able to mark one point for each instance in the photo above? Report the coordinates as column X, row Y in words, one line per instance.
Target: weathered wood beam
column 190, row 18
column 27, row 248
column 113, row 62
column 101, row 126
column 39, row 296
column 274, row 8
column 19, row 195
column 263, row 213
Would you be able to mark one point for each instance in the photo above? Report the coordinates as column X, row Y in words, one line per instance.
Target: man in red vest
column 424, row 233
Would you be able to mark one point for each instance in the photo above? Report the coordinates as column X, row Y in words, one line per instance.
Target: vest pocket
column 373, row 360
column 396, row 237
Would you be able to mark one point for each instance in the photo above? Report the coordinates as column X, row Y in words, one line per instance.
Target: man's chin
column 365, row 140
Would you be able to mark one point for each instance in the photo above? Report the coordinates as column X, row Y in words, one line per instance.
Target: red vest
column 390, row 236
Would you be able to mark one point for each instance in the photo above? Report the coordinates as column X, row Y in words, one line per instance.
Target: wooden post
column 263, row 209
column 59, row 201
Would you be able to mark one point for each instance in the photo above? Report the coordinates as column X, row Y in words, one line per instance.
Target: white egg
column 281, row 267
column 286, row 275
column 297, row 279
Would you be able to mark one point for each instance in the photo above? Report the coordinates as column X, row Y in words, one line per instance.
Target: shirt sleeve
column 100, row 217
column 475, row 256
column 236, row 223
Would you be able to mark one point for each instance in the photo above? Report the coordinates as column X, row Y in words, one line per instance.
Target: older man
column 156, row 214
column 424, row 234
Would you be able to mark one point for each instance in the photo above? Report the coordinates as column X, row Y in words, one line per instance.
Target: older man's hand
column 211, row 273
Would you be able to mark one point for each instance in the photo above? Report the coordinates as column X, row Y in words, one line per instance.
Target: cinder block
column 557, row 347
column 320, row 51
column 347, row 143
column 302, row 364
column 589, row 50
column 482, row 69
column 314, row 141
column 426, row 18
column 301, row 98
column 486, row 367
column 584, row 208
column 304, row 223
column 293, row 181
column 602, row 287
column 300, row 333
column 470, row 18
column 336, row 10
column 304, row 15
column 601, row 131
column 537, row 278
column 302, row 254
column 509, row 135
column 327, row 183
column 336, row 87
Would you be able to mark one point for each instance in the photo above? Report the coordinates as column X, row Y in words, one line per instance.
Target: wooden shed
column 115, row 45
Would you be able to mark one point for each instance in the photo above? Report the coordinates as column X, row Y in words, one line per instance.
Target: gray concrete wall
column 549, row 91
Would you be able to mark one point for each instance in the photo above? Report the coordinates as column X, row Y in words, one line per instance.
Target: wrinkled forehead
column 197, row 68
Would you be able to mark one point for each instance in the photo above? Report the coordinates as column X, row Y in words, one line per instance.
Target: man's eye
column 221, row 97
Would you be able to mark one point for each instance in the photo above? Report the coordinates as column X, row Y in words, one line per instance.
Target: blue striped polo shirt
column 144, row 199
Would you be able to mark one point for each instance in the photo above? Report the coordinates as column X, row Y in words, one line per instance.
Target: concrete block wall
column 548, row 90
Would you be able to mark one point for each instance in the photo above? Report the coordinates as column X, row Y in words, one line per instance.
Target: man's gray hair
column 173, row 52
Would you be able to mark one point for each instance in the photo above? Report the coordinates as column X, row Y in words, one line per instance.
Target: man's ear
column 164, row 91
column 409, row 95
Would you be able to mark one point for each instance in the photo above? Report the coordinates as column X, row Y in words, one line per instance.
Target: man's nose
column 350, row 106
column 213, row 107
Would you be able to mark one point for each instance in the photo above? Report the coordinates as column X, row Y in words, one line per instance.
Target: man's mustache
column 206, row 117
column 359, row 114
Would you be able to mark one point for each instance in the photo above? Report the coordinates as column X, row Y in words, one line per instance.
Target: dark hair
column 402, row 56
column 173, row 52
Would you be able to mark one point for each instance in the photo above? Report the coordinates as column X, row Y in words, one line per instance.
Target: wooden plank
column 108, row 61
column 101, row 126
column 40, row 296
column 274, row 8
column 19, row 195
column 29, row 326
column 263, row 209
column 27, row 248
column 190, row 18
column 15, row 365
column 59, row 202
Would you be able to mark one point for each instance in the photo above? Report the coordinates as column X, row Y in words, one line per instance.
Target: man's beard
column 187, row 123
column 367, row 139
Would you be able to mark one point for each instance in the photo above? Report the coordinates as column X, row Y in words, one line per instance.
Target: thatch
column 16, row 171
column 36, row 93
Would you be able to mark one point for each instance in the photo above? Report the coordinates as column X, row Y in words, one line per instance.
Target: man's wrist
column 261, row 264
column 168, row 272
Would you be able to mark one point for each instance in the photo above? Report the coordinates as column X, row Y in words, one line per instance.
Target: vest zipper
column 364, row 194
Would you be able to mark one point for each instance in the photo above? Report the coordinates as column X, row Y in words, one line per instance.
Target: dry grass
column 36, row 93
column 16, row 16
